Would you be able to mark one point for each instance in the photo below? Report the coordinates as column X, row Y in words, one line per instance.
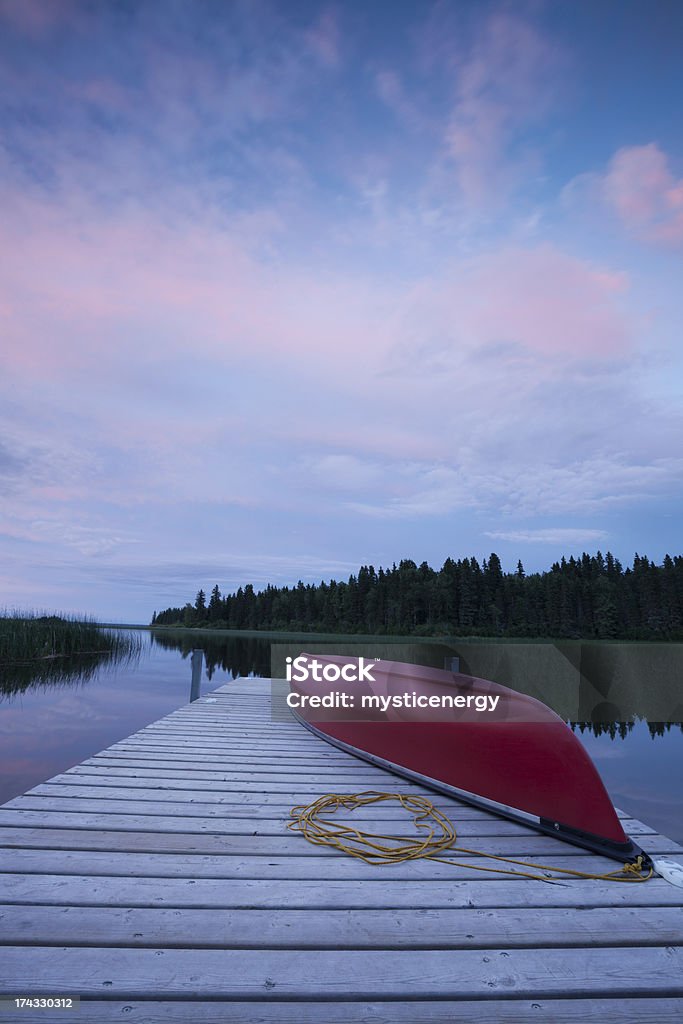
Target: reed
column 37, row 647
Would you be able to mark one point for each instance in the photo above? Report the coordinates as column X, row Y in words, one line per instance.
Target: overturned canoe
column 470, row 738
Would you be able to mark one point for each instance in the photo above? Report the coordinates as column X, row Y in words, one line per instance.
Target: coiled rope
column 313, row 822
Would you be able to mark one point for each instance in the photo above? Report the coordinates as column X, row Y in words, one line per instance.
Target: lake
column 46, row 729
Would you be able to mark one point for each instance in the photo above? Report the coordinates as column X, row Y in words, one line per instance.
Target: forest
column 593, row 596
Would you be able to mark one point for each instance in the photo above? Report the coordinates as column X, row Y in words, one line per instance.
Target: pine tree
column 215, row 605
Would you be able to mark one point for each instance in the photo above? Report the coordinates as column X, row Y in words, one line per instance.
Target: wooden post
column 451, row 664
column 196, row 674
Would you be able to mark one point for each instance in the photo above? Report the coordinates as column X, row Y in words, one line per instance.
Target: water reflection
column 622, row 729
column 236, row 656
column 75, row 669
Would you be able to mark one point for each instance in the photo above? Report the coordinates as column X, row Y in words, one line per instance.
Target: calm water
column 46, row 729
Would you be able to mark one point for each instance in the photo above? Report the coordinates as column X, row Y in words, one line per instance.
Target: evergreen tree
column 215, row 609
column 588, row 597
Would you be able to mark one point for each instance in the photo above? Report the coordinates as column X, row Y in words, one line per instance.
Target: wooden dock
column 158, row 882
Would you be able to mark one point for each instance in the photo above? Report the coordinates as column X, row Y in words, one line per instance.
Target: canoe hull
column 522, row 761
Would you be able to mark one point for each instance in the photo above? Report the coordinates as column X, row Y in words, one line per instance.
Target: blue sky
column 286, row 288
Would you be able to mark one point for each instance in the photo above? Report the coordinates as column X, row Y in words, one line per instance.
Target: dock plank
column 491, row 1011
column 277, row 974
column 83, row 838
column 340, row 929
column 174, row 817
column 337, row 867
column 304, row 894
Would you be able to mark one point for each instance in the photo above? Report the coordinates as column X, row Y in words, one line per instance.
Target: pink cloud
column 539, row 300
column 85, row 290
column 646, row 196
column 85, row 287
column 296, row 366
column 507, row 81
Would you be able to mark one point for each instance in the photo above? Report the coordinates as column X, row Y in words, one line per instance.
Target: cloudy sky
column 289, row 287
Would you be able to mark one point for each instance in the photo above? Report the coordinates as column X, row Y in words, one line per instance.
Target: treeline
column 592, row 596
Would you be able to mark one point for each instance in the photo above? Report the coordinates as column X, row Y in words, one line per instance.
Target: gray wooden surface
column 158, row 882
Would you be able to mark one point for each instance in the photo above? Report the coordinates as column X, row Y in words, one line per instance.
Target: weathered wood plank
column 70, row 785
column 236, row 708
column 306, row 788
column 271, row 717
column 213, row 763
column 164, row 865
column 284, row 780
column 43, row 837
column 303, row 894
column 346, row 974
column 232, row 709
column 340, row 929
column 265, row 718
column 249, row 749
column 244, row 739
column 286, row 740
column 121, row 790
column 240, row 754
column 268, row 720
column 489, row 1011
column 221, row 782
column 121, row 814
column 189, row 818
column 225, row 723
column 242, row 742
column 226, row 711
column 270, row 804
column 241, row 738
column 271, row 720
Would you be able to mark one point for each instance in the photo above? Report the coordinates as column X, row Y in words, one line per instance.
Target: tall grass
column 38, row 647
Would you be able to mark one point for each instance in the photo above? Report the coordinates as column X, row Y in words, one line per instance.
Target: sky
column 287, row 288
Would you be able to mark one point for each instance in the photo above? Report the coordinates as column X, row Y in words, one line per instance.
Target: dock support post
column 196, row 673
column 452, row 664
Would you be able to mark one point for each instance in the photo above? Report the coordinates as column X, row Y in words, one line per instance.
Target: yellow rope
column 312, row 821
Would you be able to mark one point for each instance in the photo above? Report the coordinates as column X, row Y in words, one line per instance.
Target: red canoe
column 511, row 755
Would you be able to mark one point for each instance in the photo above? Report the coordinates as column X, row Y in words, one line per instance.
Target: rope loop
column 316, row 825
